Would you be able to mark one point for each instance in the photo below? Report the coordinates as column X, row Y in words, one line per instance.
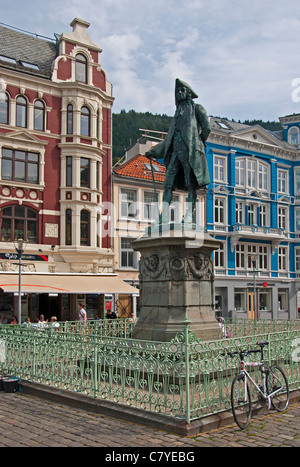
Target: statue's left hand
column 150, row 155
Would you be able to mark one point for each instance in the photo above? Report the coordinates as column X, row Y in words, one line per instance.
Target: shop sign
column 14, row 257
column 260, row 284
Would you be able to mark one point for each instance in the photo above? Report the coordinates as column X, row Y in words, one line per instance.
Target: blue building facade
column 253, row 209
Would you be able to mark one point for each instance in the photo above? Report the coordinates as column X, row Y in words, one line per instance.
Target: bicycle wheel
column 241, row 401
column 276, row 380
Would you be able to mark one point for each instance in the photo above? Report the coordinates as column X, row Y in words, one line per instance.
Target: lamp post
column 20, row 250
column 254, row 258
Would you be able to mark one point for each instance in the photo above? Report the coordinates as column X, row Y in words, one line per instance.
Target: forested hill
column 126, row 128
column 271, row 126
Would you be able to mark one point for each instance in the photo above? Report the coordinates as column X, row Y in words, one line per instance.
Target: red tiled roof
column 139, row 167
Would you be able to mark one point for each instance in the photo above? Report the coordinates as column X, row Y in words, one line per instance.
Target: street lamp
column 19, row 246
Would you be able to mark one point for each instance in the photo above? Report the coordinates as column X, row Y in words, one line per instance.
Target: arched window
column 85, row 121
column 85, row 228
column 294, row 136
column 70, row 119
column 68, row 227
column 81, row 69
column 19, row 222
column 4, row 107
column 21, row 112
column 39, row 115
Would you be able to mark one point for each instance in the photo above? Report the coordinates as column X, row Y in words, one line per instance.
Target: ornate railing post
column 33, row 361
column 95, row 365
column 187, row 323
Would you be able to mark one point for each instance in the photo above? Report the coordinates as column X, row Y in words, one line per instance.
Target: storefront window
column 264, row 300
column 240, row 299
column 283, row 297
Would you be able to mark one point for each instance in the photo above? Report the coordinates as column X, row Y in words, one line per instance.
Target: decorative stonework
column 51, row 230
column 175, row 266
column 20, row 193
column 5, row 191
column 81, row 267
column 176, row 283
column 33, row 195
column 13, row 267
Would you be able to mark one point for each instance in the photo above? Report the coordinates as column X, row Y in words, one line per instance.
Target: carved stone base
column 176, row 281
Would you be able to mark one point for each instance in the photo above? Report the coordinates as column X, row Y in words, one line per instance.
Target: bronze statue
column 183, row 150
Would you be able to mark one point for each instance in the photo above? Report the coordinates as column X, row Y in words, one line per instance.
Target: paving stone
column 28, row 421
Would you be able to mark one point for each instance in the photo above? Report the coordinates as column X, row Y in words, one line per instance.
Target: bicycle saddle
column 262, row 343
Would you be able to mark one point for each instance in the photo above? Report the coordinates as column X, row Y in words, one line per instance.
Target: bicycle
column 274, row 388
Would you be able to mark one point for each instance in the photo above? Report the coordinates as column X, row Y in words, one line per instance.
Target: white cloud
column 240, row 57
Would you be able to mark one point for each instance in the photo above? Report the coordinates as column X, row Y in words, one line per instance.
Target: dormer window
column 81, row 69
column 30, row 66
column 294, row 136
column 9, row 60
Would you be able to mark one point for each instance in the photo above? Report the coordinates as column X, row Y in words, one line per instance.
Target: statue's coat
column 193, row 123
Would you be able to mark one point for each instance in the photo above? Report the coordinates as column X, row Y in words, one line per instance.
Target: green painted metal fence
column 186, row 378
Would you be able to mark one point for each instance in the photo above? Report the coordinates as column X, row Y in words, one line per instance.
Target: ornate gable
column 23, row 136
column 257, row 134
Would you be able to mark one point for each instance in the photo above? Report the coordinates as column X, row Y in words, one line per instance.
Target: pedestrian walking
column 82, row 313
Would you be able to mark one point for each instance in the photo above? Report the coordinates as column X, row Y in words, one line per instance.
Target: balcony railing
column 255, row 229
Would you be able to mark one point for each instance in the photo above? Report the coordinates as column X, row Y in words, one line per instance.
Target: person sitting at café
column 111, row 314
column 42, row 323
column 27, row 323
column 53, row 322
column 3, row 320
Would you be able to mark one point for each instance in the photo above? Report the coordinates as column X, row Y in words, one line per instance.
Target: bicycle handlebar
column 242, row 353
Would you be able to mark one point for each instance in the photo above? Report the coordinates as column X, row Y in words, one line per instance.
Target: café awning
column 66, row 284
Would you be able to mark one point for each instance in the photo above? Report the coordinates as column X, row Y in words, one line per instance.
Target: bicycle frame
column 263, row 393
column 272, row 378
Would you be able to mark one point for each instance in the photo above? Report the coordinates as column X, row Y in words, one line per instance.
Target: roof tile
column 139, row 167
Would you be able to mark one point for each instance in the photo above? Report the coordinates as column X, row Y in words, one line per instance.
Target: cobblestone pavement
column 27, row 421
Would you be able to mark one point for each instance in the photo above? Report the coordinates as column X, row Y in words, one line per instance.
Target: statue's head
column 183, row 91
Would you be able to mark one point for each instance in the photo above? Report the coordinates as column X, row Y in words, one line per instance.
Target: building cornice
column 236, row 142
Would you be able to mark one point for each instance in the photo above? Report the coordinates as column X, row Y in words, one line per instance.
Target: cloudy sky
column 242, row 57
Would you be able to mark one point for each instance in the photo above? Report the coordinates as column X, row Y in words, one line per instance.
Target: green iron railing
column 186, row 378
column 244, row 327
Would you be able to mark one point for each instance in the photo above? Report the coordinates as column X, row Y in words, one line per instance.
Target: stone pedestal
column 176, row 281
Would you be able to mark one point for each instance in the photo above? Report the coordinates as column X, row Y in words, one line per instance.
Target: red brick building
column 55, row 173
